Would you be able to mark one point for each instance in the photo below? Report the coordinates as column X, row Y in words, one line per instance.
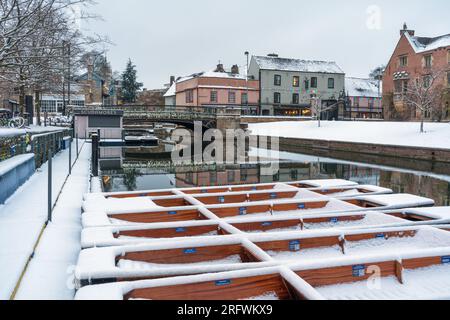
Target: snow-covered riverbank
column 437, row 135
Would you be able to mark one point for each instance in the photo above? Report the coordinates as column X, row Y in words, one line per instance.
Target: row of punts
column 318, row 239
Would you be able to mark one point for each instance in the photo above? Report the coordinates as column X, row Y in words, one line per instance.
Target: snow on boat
column 313, row 184
column 422, row 275
column 341, row 192
column 424, row 216
column 126, row 235
column 330, row 244
column 259, row 284
column 369, row 219
column 169, row 258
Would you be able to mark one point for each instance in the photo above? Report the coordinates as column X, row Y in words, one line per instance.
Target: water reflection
column 129, row 174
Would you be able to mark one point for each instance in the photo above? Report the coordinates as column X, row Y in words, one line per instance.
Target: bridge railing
column 163, row 109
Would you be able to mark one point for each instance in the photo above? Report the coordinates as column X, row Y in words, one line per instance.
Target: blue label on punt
column 302, row 206
column 223, row 283
column 172, row 213
column 204, row 191
column 273, row 195
column 242, row 211
column 294, row 245
column 266, row 224
column 380, row 236
column 190, row 251
column 359, row 271
column 255, row 189
column 445, row 260
column 221, row 199
column 143, row 195
column 334, row 220
column 180, row 230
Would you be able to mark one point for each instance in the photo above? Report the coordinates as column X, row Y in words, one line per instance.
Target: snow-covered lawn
column 388, row 133
column 24, row 214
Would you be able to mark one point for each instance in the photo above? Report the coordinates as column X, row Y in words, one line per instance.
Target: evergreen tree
column 130, row 86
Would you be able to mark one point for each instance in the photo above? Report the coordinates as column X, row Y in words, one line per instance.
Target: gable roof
column 424, row 44
column 297, row 65
column 357, row 87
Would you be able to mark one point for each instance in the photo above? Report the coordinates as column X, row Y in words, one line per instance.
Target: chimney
column 405, row 30
column 172, row 80
column 219, row 68
column 273, row 55
column 235, row 69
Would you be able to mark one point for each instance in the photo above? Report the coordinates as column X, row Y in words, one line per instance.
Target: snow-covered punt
column 168, row 258
column 423, row 216
column 404, row 276
column 106, row 215
column 368, row 219
column 273, row 283
column 183, row 256
column 328, row 183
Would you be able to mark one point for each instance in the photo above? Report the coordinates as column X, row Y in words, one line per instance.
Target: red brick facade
column 406, row 64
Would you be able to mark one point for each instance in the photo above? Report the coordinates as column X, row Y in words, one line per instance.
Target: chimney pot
column 235, row 69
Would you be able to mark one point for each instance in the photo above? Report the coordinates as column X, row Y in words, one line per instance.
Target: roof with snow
column 172, row 90
column 358, row 87
column 285, row 64
column 424, row 44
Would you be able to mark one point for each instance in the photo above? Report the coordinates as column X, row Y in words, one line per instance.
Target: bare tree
column 424, row 94
column 318, row 107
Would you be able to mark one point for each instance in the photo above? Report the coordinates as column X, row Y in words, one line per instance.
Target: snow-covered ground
column 437, row 135
column 9, row 132
column 22, row 219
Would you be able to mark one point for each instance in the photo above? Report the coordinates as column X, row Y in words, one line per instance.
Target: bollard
column 49, row 193
column 76, row 142
column 70, row 156
column 94, row 159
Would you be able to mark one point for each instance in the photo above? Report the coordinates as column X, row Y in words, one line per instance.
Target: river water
column 123, row 170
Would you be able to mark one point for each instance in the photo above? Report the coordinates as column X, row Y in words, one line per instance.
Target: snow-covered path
column 388, row 133
column 23, row 217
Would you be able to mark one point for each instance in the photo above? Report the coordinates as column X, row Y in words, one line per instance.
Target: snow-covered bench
column 15, row 172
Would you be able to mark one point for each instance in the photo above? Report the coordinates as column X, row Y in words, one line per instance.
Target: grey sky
column 180, row 37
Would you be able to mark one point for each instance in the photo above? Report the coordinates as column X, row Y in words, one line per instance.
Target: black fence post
column 49, row 192
column 76, row 143
column 70, row 156
column 95, row 143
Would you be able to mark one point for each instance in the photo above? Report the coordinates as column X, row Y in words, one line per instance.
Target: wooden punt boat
column 378, row 202
column 165, row 259
column 314, row 222
column 423, row 216
column 331, row 183
column 401, row 276
column 175, row 214
column 329, row 244
column 261, row 284
column 135, row 234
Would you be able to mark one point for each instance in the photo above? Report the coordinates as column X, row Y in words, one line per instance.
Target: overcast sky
column 180, row 37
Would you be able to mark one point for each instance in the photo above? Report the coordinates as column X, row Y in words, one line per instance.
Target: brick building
column 218, row 88
column 413, row 58
column 364, row 96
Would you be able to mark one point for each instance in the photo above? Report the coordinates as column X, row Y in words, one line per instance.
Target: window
column 448, row 79
column 231, row 97
column 190, row 96
column 277, row 97
column 314, row 82
column 213, row 97
column 244, row 98
column 296, row 82
column 371, row 103
column 295, row 98
column 428, row 61
column 356, row 102
column 427, row 81
column 306, row 84
column 330, row 83
column 403, row 61
column 277, row 80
